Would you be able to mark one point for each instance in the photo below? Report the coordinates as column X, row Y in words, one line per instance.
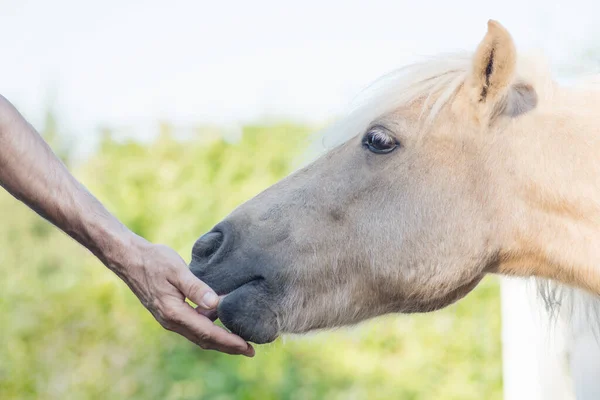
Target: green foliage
column 70, row 329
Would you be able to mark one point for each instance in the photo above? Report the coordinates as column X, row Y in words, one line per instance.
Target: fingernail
column 249, row 352
column 210, row 300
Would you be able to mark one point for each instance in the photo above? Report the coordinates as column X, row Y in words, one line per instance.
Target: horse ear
column 493, row 69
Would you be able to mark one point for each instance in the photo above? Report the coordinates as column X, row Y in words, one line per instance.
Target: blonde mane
column 442, row 75
column 401, row 87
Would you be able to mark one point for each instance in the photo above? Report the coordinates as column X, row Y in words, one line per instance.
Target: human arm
column 31, row 172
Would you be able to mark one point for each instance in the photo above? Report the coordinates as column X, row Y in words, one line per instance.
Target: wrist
column 119, row 248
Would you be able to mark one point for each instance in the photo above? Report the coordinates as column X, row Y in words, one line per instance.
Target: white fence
column 543, row 359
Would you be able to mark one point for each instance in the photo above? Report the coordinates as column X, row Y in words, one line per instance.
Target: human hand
column 162, row 281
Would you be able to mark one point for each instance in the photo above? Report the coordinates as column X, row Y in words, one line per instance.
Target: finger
column 215, row 347
column 207, row 334
column 196, row 290
column 210, row 314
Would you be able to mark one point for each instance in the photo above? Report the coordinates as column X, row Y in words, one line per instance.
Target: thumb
column 197, row 291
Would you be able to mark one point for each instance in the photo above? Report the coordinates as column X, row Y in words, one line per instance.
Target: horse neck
column 553, row 172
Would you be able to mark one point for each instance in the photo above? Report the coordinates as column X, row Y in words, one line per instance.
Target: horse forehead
column 415, row 119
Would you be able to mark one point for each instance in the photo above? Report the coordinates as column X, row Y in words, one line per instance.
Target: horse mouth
column 243, row 276
column 247, row 304
column 248, row 312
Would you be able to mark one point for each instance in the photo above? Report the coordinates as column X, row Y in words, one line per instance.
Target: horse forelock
column 434, row 82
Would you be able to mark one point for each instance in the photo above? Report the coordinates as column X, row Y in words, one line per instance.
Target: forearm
column 31, row 172
column 156, row 274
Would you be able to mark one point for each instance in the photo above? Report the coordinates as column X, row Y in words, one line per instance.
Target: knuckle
column 171, row 316
column 206, row 346
column 205, row 337
column 168, row 326
column 173, row 269
column 196, row 290
column 154, row 304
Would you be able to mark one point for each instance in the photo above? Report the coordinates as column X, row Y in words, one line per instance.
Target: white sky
column 131, row 63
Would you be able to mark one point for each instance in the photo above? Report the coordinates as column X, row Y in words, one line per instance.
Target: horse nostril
column 207, row 245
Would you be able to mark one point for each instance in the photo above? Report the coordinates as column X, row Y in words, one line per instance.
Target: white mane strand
column 442, row 75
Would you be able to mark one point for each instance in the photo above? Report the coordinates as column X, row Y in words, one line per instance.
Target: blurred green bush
column 69, row 329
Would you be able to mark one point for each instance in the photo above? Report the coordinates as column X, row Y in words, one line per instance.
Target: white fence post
column 584, row 355
column 535, row 362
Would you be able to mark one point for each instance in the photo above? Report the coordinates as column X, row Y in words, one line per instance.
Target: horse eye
column 379, row 140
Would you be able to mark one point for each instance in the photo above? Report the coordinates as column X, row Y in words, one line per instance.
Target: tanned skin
column 157, row 275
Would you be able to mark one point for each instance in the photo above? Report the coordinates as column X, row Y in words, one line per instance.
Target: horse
column 446, row 170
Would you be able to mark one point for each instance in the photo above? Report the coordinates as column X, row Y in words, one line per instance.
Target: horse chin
column 246, row 312
column 437, row 303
